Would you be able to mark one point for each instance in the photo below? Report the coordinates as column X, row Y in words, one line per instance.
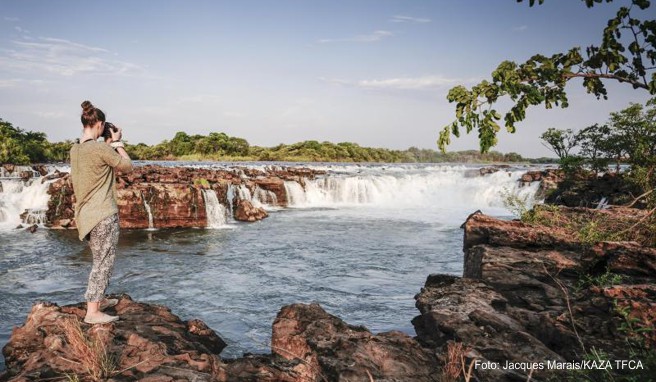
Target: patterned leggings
column 103, row 241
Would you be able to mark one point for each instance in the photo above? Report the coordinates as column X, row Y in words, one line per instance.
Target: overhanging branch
column 636, row 84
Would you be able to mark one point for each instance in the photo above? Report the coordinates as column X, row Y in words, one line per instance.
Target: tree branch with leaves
column 626, row 54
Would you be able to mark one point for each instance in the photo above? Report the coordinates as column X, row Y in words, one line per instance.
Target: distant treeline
column 22, row 147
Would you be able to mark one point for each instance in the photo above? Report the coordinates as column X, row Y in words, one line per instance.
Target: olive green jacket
column 92, row 173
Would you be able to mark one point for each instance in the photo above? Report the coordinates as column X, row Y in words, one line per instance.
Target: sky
column 373, row 72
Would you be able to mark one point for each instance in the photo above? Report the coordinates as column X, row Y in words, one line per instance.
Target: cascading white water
column 216, row 212
column 28, row 198
column 445, row 187
column 264, row 198
column 151, row 225
column 230, row 195
column 257, row 200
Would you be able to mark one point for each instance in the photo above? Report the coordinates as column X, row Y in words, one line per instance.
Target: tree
column 626, row 54
column 561, row 142
column 594, row 141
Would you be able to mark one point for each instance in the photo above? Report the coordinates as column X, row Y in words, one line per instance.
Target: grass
column 91, row 352
column 455, row 364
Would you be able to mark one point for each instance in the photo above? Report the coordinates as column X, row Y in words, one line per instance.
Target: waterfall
column 265, row 198
column 244, row 193
column 151, row 225
column 215, row 211
column 231, row 198
column 443, row 187
column 23, row 202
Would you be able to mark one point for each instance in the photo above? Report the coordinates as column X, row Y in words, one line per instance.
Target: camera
column 107, row 131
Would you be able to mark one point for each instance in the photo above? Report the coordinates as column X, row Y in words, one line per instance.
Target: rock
column 55, row 175
column 331, row 350
column 32, row 228
column 588, row 191
column 9, row 167
column 26, row 175
column 624, row 258
column 277, row 187
column 470, row 311
column 532, row 293
column 175, row 195
column 149, row 343
column 483, row 229
column 41, row 169
column 488, row 170
column 246, row 212
column 638, row 302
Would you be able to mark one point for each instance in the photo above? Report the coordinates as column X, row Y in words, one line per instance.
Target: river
column 360, row 241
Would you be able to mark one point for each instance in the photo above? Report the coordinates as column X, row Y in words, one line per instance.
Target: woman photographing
column 93, row 166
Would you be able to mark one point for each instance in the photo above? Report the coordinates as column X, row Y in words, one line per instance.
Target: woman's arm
column 117, row 157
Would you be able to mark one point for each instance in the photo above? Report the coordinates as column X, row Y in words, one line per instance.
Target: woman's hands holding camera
column 116, row 134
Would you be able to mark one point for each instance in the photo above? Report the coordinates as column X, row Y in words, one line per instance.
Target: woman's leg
column 103, row 241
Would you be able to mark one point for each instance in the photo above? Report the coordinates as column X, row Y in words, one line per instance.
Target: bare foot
column 99, row 318
column 107, row 303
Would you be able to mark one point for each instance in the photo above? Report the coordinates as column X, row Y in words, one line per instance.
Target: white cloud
column 371, row 37
column 21, row 30
column 520, row 28
column 11, row 19
column 409, row 19
column 401, row 83
column 63, row 57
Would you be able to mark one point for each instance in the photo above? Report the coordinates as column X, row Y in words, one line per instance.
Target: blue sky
column 372, row 72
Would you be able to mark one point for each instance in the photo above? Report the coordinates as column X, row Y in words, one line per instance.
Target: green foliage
column 628, row 137
column 604, row 280
column 202, row 182
column 593, row 231
column 518, row 205
column 561, row 142
column 21, row 147
column 626, row 54
column 219, row 146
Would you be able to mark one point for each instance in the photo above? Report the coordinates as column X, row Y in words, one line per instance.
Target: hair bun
column 87, row 106
column 91, row 114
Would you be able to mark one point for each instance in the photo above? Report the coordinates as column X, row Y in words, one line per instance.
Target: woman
column 96, row 214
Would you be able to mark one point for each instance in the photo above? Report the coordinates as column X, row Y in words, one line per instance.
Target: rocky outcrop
column 549, row 179
column 331, row 350
column 534, row 294
column 246, row 212
column 169, row 197
column 150, row 343
column 588, row 190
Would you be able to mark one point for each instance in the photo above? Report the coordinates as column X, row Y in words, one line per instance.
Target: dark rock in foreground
column 150, row 343
column 532, row 294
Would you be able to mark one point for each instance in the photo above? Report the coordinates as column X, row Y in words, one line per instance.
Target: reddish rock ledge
column 176, row 196
column 150, row 343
